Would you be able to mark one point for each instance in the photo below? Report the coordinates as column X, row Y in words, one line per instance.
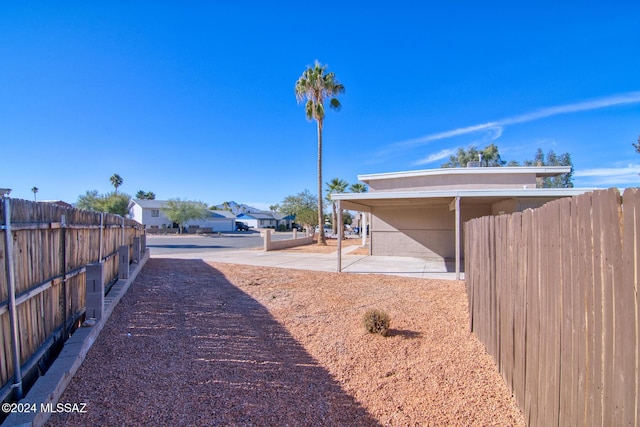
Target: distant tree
column 35, row 191
column 336, row 185
column 145, row 195
column 182, row 211
column 303, row 206
column 489, row 157
column 115, row 203
column 89, row 201
column 637, row 146
column 116, row 181
column 315, row 85
column 274, row 208
column 552, row 159
column 226, row 206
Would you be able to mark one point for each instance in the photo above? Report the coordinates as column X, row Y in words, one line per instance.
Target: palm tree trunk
column 321, row 238
column 335, row 218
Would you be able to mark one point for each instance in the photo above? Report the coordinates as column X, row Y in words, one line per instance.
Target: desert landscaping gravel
column 201, row 344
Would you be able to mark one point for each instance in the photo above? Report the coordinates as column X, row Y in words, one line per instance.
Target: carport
column 428, row 222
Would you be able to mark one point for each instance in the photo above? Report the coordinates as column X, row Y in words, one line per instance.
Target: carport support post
column 457, row 237
column 363, row 228
column 340, row 232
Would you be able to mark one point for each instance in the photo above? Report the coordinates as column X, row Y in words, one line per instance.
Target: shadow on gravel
column 187, row 347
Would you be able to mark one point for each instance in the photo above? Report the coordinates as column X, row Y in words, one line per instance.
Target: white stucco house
column 150, row 214
column 266, row 220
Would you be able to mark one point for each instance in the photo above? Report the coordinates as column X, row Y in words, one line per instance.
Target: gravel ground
column 193, row 343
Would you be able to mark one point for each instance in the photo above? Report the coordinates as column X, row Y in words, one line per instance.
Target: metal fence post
column 100, row 238
column 63, row 272
column 13, row 314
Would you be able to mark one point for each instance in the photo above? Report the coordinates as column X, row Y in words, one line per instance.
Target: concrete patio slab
column 358, row 264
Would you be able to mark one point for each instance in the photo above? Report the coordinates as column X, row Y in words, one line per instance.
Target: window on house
column 155, row 213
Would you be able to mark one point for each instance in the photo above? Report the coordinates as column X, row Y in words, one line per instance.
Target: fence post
column 123, row 262
column 63, row 266
column 143, row 243
column 95, row 290
column 13, row 314
column 136, row 249
column 100, row 238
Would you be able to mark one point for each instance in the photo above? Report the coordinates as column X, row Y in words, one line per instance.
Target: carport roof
column 365, row 201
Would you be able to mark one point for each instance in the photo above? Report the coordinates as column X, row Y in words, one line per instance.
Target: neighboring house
column 221, row 221
column 419, row 213
column 150, row 214
column 267, row 220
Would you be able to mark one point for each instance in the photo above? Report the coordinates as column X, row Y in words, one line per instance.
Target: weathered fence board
column 628, row 303
column 553, row 295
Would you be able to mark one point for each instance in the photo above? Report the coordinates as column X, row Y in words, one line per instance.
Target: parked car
column 241, row 226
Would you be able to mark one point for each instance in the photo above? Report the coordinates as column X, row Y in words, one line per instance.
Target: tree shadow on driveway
column 187, row 347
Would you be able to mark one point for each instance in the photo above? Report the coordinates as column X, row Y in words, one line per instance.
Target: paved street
column 189, row 243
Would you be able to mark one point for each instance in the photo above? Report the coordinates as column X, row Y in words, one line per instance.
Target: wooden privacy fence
column 553, row 295
column 44, row 251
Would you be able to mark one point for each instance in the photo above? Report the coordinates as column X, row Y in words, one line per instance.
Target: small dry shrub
column 376, row 322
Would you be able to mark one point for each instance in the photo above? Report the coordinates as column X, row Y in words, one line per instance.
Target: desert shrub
column 376, row 322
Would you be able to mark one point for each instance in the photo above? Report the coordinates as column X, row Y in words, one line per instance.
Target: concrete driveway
column 246, row 249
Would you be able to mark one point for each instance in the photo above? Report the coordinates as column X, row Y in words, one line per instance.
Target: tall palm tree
column 336, row 185
column 315, row 85
column 35, row 190
column 116, row 181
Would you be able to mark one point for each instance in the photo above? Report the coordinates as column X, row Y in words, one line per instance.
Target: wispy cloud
column 600, row 177
column 493, row 126
column 442, row 154
column 496, row 127
column 611, row 101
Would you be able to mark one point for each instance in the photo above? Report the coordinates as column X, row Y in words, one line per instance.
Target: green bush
column 376, row 322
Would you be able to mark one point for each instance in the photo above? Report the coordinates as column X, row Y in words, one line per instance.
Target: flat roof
column 365, row 201
column 429, row 194
column 539, row 171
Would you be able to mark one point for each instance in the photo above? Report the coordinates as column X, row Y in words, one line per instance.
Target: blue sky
column 195, row 99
